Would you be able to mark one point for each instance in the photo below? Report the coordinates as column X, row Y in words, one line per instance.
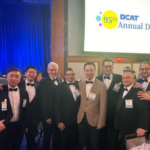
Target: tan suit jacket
column 95, row 110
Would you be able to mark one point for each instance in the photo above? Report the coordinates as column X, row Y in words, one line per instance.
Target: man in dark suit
column 19, row 101
column 47, row 89
column 5, row 116
column 92, row 111
column 132, row 114
column 34, row 109
column 113, row 84
column 67, row 102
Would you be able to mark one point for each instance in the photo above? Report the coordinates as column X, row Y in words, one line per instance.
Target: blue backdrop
column 25, row 36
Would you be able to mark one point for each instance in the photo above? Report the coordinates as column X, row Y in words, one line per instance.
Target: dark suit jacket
column 23, row 114
column 7, row 114
column 66, row 108
column 47, row 97
column 112, row 97
column 129, row 119
column 34, row 106
column 140, row 81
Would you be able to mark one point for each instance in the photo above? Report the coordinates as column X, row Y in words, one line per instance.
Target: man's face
column 52, row 71
column 70, row 76
column 13, row 78
column 89, row 71
column 145, row 71
column 127, row 79
column 31, row 74
column 107, row 68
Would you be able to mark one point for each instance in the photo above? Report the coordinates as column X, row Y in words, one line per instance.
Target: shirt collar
column 129, row 87
column 91, row 80
column 148, row 79
column 12, row 87
column 111, row 76
column 29, row 82
column 69, row 82
column 52, row 78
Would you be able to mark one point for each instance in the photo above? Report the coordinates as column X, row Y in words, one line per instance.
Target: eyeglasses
column 70, row 74
column 146, row 69
column 106, row 67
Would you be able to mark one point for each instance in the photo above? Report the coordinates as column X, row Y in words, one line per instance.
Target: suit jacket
column 95, row 110
column 34, row 106
column 140, row 81
column 23, row 114
column 129, row 119
column 112, row 98
column 66, row 108
column 47, row 97
column 5, row 114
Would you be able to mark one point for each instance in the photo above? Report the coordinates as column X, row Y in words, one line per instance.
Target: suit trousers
column 30, row 136
column 3, row 140
column 88, row 135
column 69, row 137
column 14, row 135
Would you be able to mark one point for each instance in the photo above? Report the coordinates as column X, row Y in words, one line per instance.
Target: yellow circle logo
column 110, row 19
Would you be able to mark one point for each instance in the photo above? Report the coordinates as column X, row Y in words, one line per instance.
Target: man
column 144, row 80
column 34, row 109
column 132, row 114
column 19, row 101
column 92, row 110
column 47, row 89
column 5, row 116
column 113, row 84
column 67, row 102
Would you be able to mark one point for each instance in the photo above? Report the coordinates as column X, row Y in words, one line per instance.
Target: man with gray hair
column 47, row 89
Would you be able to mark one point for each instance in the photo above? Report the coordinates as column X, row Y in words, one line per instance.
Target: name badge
column 116, row 87
column 4, row 105
column 76, row 92
column 24, row 103
column 129, row 103
column 92, row 96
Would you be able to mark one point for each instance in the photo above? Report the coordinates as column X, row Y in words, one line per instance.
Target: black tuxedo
column 33, row 117
column 5, row 115
column 16, row 130
column 112, row 98
column 66, row 109
column 129, row 119
column 47, row 101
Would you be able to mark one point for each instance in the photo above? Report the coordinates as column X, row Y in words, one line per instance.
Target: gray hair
column 52, row 63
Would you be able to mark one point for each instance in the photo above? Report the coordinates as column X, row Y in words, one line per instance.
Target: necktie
column 54, row 80
column 107, row 77
column 29, row 84
column 125, row 89
column 11, row 89
column 87, row 82
column 71, row 84
column 144, row 80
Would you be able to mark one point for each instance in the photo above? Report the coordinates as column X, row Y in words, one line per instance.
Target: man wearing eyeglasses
column 113, row 84
column 67, row 101
column 47, row 89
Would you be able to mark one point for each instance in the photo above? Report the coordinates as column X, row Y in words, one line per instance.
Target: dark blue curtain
column 25, row 36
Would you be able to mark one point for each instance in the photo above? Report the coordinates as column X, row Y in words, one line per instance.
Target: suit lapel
column 84, row 88
column 94, row 87
column 21, row 97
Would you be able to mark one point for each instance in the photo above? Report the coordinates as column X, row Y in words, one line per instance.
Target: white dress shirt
column 108, row 81
column 89, row 86
column 14, row 97
column 125, row 92
column 31, row 90
column 72, row 88
column 56, row 82
column 145, row 84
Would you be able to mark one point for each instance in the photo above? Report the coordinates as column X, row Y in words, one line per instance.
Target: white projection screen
column 117, row 26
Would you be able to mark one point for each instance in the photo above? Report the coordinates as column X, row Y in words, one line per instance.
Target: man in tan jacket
column 92, row 110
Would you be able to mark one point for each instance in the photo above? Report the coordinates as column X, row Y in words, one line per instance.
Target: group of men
column 92, row 114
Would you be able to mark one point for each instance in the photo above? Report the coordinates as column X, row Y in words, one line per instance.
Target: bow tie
column 107, row 77
column 13, row 89
column 71, row 83
column 125, row 89
column 87, row 82
column 144, row 80
column 54, row 80
column 29, row 84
